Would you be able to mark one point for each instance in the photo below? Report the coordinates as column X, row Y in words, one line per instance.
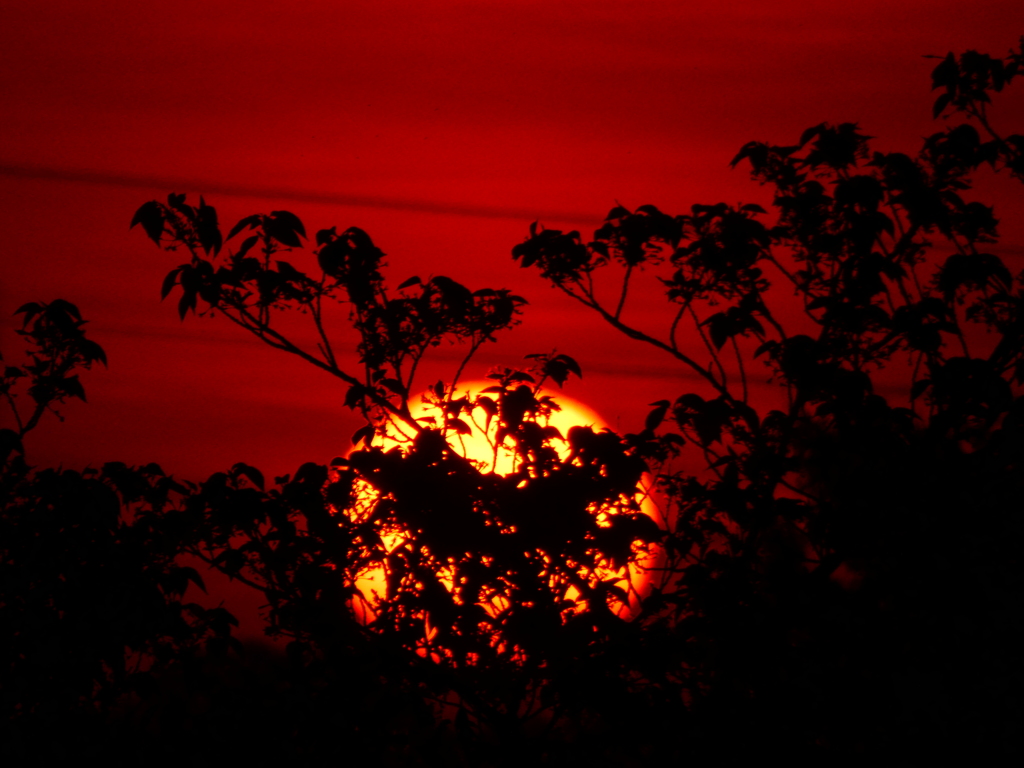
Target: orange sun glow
column 635, row 579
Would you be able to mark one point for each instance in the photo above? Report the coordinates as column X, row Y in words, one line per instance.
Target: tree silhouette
column 839, row 578
column 479, row 585
column 847, row 570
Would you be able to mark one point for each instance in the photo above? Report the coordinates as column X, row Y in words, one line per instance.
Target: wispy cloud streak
column 206, row 187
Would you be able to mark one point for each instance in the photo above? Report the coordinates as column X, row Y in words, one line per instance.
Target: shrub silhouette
column 838, row 578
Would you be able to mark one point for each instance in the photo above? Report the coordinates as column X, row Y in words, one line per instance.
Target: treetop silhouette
column 837, row 576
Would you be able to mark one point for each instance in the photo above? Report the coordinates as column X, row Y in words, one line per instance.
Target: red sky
column 443, row 129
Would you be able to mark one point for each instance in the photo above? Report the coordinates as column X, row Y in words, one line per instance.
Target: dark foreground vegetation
column 838, row 579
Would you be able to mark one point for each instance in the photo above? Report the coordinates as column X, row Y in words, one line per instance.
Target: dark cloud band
column 282, row 193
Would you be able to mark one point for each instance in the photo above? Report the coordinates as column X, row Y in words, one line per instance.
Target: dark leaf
column 207, row 228
column 290, row 220
column 177, row 202
column 151, row 216
column 30, row 310
column 355, row 395
column 363, row 433
column 187, row 302
column 810, row 133
column 9, row 441
column 571, row 365
column 411, row 281
column 394, row 385
column 92, row 352
column 252, row 473
column 249, row 221
column 73, row 387
column 247, row 244
column 281, row 228
column 169, row 282
column 655, row 417
column 193, row 575
column 945, row 75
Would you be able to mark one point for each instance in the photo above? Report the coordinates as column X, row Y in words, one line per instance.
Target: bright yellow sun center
column 634, row 579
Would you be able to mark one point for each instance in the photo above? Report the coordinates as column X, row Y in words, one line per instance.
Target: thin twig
column 625, row 290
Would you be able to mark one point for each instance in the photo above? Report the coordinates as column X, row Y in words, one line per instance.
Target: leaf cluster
column 57, row 346
column 251, row 284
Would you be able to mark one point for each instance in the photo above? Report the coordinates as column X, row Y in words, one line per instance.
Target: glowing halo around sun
column 636, row 578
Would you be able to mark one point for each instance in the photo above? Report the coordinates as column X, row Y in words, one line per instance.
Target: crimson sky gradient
column 443, row 129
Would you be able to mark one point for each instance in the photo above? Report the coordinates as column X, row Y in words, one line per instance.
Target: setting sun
column 476, row 441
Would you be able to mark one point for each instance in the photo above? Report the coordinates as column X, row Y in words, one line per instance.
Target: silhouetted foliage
column 837, row 578
column 91, row 583
column 478, row 587
column 847, row 574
